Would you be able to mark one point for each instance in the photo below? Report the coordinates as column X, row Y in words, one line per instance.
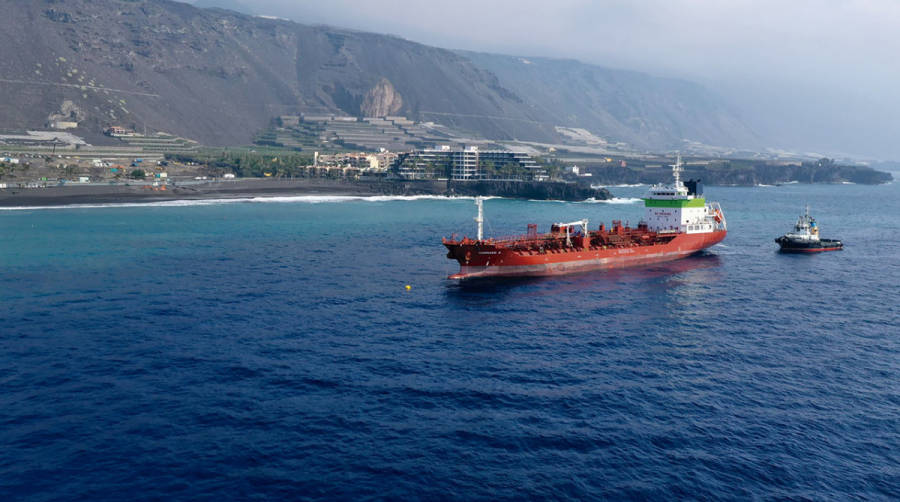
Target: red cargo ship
column 678, row 222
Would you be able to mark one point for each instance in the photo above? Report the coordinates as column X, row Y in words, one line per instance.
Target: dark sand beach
column 143, row 193
column 139, row 192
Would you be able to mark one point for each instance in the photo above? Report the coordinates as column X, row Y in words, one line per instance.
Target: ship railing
column 511, row 239
column 713, row 209
column 506, row 239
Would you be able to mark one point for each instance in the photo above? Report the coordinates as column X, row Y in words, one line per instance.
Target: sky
column 814, row 75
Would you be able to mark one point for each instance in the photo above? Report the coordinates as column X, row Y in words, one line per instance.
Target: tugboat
column 678, row 222
column 805, row 238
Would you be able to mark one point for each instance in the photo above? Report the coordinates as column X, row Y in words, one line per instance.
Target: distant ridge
column 639, row 109
column 219, row 77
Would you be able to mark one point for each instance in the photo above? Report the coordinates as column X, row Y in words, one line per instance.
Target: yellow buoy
column 408, row 287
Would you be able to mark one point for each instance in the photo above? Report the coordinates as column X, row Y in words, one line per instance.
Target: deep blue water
column 271, row 351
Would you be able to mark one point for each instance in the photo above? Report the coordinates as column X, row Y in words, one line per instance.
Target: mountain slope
column 218, row 76
column 629, row 106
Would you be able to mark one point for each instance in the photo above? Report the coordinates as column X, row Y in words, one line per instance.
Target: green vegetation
column 138, row 174
column 437, row 170
column 8, row 168
column 552, row 165
column 507, row 171
column 243, row 163
column 743, row 172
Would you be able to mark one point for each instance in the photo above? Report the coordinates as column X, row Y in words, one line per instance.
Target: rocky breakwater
column 535, row 190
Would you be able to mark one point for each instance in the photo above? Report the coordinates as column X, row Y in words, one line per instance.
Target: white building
column 469, row 163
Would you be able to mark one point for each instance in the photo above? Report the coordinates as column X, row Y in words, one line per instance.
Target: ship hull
column 489, row 262
column 792, row 246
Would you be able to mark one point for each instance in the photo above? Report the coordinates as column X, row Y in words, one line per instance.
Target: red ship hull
column 545, row 256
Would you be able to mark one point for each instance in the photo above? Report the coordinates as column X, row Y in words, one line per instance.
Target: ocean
column 271, row 350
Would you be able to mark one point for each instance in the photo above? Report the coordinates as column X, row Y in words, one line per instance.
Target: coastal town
column 330, row 147
column 393, row 152
column 39, row 169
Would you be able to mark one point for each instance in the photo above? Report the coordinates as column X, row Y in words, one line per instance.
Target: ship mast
column 479, row 201
column 677, row 168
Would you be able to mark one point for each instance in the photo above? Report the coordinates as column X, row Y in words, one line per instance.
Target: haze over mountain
column 630, row 106
column 220, row 76
column 812, row 74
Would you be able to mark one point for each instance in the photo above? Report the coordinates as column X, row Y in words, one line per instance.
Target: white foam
column 625, row 185
column 309, row 199
column 614, row 200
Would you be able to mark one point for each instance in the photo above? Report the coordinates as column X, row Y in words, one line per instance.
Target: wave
column 168, row 203
column 309, row 199
column 598, row 187
column 316, row 199
column 614, row 200
column 724, row 249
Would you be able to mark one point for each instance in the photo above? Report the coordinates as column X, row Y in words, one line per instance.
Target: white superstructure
column 806, row 229
column 678, row 208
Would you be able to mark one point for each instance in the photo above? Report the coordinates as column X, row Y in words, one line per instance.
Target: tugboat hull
column 792, row 246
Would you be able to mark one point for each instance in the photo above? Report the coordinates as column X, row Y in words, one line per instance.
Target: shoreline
column 75, row 194
column 121, row 194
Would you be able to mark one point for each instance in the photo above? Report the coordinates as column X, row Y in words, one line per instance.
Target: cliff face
column 745, row 175
column 528, row 190
column 382, row 100
column 219, row 76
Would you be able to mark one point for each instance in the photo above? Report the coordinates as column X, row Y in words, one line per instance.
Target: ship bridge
column 680, row 206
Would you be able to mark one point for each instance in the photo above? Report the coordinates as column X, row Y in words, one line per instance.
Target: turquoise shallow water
column 270, row 350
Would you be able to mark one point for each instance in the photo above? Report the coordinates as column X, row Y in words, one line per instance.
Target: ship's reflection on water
column 683, row 276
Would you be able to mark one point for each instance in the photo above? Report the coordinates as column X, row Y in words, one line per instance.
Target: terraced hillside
column 220, row 77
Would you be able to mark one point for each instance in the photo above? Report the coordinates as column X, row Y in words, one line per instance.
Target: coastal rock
column 739, row 173
column 531, row 190
column 528, row 190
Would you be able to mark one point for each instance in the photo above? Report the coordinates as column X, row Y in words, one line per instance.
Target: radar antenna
column 677, row 169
